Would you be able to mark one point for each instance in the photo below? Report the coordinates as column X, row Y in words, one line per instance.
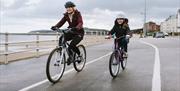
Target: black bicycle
column 56, row 62
column 117, row 59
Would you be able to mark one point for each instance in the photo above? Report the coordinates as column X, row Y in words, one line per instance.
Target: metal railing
column 6, row 45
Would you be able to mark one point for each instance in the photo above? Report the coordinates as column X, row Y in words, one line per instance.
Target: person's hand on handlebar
column 70, row 30
column 54, row 28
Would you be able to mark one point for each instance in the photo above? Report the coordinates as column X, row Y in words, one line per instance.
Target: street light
column 144, row 28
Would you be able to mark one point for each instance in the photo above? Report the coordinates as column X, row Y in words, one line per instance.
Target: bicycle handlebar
column 62, row 30
column 120, row 37
column 125, row 36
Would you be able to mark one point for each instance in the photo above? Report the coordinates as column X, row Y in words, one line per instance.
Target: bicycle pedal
column 58, row 61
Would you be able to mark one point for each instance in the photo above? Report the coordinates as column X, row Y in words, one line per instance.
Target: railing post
column 37, row 44
column 57, row 39
column 6, row 47
column 85, row 33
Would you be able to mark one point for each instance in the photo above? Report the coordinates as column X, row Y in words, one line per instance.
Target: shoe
column 79, row 58
column 125, row 54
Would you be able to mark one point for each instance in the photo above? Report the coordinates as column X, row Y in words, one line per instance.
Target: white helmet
column 121, row 15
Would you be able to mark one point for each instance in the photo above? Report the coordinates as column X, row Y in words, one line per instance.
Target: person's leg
column 69, row 37
column 125, row 44
column 60, row 41
column 76, row 40
column 120, row 43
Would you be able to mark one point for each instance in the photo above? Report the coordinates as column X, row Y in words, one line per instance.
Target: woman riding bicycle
column 121, row 28
column 74, row 19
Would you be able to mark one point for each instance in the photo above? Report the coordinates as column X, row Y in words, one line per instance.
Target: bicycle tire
column 50, row 78
column 75, row 64
column 111, row 60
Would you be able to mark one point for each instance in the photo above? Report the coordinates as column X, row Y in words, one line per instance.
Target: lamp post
column 144, row 28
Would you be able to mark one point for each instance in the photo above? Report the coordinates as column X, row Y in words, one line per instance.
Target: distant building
column 88, row 31
column 171, row 24
column 178, row 20
column 95, row 31
column 137, row 31
column 152, row 27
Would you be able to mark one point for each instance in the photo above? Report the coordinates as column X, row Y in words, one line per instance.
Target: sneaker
column 69, row 60
column 125, row 55
column 79, row 58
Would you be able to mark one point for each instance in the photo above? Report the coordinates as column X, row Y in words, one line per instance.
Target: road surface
column 29, row 75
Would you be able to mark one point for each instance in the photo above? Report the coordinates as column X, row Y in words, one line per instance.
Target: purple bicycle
column 116, row 59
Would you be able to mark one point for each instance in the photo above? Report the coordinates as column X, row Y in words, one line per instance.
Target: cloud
column 36, row 14
column 100, row 18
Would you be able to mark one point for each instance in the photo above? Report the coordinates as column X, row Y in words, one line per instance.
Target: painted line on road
column 66, row 72
column 156, row 80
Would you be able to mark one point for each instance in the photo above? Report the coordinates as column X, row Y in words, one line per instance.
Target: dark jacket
column 76, row 23
column 120, row 30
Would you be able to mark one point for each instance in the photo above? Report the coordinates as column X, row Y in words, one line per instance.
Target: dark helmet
column 69, row 4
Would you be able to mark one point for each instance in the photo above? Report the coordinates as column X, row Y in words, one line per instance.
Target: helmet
column 69, row 4
column 121, row 15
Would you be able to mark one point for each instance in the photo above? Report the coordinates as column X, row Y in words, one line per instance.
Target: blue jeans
column 123, row 43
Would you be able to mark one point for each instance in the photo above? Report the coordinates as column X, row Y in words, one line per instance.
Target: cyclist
column 121, row 28
column 76, row 33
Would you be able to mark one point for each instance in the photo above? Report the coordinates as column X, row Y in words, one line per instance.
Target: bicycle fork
column 59, row 60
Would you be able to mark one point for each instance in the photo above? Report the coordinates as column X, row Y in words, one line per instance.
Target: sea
column 13, row 38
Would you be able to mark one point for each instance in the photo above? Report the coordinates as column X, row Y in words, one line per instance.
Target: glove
column 53, row 28
column 73, row 29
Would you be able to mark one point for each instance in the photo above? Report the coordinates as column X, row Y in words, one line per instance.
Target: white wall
column 171, row 24
column 178, row 20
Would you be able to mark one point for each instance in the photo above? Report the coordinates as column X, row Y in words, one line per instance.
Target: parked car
column 159, row 35
column 166, row 34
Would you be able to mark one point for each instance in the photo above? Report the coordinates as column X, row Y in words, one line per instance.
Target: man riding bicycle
column 76, row 33
column 121, row 28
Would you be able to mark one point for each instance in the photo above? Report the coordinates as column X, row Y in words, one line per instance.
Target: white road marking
column 66, row 72
column 156, row 80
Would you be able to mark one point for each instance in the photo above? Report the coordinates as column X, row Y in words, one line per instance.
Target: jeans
column 123, row 43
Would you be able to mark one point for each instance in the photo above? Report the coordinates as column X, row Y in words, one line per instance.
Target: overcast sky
column 27, row 15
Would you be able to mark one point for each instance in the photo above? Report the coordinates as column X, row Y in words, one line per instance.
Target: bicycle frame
column 118, row 49
column 64, row 43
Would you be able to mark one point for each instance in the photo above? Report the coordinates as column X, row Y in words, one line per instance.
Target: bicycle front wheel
column 114, row 64
column 55, row 65
column 79, row 62
column 124, row 63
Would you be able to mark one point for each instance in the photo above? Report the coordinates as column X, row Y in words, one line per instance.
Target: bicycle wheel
column 79, row 63
column 55, row 65
column 114, row 64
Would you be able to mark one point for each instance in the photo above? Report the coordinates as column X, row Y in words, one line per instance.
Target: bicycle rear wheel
column 79, row 63
column 55, row 65
column 114, row 64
